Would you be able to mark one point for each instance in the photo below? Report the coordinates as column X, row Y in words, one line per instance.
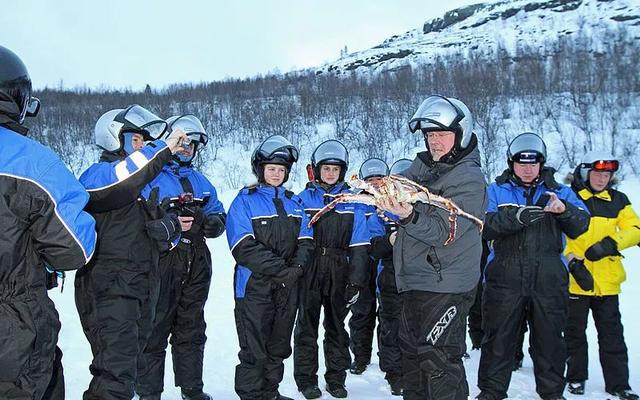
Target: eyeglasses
column 436, row 134
column 602, row 165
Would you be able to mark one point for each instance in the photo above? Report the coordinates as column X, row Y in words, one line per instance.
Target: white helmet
column 597, row 160
column 196, row 135
column 444, row 113
column 107, row 131
column 134, row 118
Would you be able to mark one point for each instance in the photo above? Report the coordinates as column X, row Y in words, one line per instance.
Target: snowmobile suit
column 340, row 258
column 363, row 313
column 43, row 225
column 390, row 306
column 185, row 276
column 117, row 292
column 430, row 274
column 525, row 278
column 268, row 233
column 611, row 216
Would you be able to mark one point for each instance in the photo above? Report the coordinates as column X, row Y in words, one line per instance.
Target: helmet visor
column 191, row 125
column 400, row 166
column 136, row 118
column 373, row 167
column 277, row 147
column 435, row 113
column 330, row 152
column 602, row 165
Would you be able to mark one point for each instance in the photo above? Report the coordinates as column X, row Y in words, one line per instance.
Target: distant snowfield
column 222, row 344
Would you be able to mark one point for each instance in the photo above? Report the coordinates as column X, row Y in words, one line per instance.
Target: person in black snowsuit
column 270, row 239
column 436, row 255
column 185, row 271
column 116, row 293
column 336, row 274
column 363, row 313
column 525, row 278
column 44, row 226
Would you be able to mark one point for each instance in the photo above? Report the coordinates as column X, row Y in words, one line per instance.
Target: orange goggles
column 602, row 165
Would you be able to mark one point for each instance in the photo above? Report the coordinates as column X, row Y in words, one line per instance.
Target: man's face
column 187, row 151
column 137, row 141
column 329, row 174
column 526, row 172
column 274, row 174
column 440, row 143
column 598, row 180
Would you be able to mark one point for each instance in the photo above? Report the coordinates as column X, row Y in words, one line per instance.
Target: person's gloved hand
column 530, row 215
column 581, row 274
column 604, row 248
column 213, row 225
column 288, row 276
column 164, row 229
column 351, row 294
column 175, row 139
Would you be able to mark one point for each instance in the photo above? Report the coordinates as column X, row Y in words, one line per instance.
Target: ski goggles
column 602, row 165
column 528, row 157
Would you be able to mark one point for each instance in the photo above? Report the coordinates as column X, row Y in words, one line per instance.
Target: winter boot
column 358, row 367
column 485, row 396
column 626, row 394
column 155, row 396
column 517, row 364
column 396, row 386
column 195, row 394
column 576, row 387
column 311, row 392
column 337, row 390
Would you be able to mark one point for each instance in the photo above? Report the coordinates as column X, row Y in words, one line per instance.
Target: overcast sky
column 129, row 43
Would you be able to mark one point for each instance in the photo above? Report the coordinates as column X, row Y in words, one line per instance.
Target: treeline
column 580, row 92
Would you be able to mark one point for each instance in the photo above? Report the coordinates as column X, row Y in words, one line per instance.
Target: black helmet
column 196, row 135
column 527, row 148
column 373, row 167
column 330, row 152
column 15, row 86
column 400, row 166
column 275, row 149
column 439, row 113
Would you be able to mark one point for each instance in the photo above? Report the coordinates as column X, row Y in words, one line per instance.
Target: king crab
column 403, row 190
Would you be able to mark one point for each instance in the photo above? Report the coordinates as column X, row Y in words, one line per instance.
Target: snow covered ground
column 222, row 346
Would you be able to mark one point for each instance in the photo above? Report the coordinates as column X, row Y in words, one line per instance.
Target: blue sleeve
column 360, row 234
column 492, row 205
column 238, row 222
column 375, row 224
column 116, row 184
column 214, row 205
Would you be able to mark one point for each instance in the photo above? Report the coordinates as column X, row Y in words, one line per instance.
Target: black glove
column 164, row 229
column 351, row 294
column 153, row 208
column 288, row 276
column 581, row 274
column 530, row 215
column 605, row 247
column 213, row 225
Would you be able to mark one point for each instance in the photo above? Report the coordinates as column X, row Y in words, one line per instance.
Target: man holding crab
column 437, row 260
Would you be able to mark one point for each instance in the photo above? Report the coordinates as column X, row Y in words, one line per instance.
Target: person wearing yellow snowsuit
column 614, row 226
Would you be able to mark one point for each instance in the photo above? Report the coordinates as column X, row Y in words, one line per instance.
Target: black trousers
column 504, row 310
column 264, row 322
column 116, row 304
column 612, row 348
column 184, row 288
column 323, row 286
column 363, row 319
column 432, row 340
column 389, row 314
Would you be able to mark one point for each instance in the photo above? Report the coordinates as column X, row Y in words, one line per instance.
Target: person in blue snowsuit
column 44, row 226
column 336, row 274
column 271, row 241
column 526, row 277
column 116, row 293
column 185, row 271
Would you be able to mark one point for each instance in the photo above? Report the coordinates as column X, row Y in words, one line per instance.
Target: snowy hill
column 485, row 27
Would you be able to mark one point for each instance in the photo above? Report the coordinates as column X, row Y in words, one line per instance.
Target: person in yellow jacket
column 614, row 226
